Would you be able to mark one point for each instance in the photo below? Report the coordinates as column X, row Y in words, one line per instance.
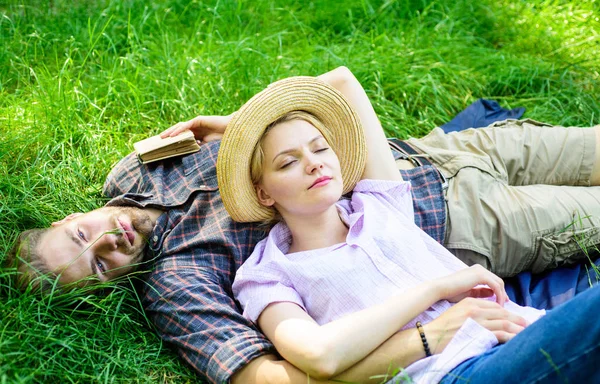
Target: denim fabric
column 551, row 288
column 561, row 347
column 481, row 113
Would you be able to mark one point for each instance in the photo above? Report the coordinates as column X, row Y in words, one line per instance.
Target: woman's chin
column 325, row 203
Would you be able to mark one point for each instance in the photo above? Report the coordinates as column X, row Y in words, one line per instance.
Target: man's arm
column 194, row 314
column 400, row 350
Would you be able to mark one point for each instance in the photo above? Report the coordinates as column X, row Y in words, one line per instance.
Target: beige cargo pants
column 518, row 194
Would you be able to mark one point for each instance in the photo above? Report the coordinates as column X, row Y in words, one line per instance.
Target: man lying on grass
column 172, row 211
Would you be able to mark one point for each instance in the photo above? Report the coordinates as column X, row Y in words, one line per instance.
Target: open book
column 154, row 148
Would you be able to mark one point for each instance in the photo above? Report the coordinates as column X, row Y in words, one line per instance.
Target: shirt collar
column 280, row 236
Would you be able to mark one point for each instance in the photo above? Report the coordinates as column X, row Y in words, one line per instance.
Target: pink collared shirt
column 385, row 253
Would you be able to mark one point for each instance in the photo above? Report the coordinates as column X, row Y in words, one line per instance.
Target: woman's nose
column 314, row 164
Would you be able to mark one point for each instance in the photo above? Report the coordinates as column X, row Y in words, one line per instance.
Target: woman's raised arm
column 380, row 162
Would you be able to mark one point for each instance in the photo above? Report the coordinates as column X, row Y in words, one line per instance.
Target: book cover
column 156, row 148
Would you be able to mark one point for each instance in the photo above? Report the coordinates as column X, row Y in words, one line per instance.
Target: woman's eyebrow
column 286, row 151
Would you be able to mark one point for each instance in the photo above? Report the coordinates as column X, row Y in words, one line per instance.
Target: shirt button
column 155, row 239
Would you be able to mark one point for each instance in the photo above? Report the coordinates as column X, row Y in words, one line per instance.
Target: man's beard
column 142, row 223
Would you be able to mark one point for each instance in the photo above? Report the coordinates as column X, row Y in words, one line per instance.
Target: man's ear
column 263, row 197
column 68, row 218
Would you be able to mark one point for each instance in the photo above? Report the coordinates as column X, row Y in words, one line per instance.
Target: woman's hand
column 503, row 324
column 467, row 283
column 205, row 128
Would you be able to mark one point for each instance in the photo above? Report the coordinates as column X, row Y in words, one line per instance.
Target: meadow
column 81, row 81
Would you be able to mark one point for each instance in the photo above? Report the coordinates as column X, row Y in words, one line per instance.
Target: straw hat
column 344, row 135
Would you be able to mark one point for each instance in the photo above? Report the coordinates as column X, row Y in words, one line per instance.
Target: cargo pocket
column 515, row 122
column 566, row 247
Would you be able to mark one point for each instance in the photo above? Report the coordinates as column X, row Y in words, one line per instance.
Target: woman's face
column 301, row 173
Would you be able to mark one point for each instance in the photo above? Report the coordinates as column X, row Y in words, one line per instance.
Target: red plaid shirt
column 198, row 248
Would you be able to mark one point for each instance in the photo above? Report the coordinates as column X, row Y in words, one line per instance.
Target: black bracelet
column 423, row 339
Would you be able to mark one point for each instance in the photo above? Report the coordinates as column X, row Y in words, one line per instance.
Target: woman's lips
column 320, row 182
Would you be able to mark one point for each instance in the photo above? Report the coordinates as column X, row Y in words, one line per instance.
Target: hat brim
column 345, row 136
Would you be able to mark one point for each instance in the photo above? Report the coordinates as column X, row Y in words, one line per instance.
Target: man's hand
column 205, row 128
column 502, row 323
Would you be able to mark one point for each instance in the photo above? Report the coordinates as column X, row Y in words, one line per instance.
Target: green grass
column 81, row 81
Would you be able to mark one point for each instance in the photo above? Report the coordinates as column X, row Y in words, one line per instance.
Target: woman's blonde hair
column 258, row 156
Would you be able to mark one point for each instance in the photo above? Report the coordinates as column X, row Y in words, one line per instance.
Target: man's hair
column 25, row 258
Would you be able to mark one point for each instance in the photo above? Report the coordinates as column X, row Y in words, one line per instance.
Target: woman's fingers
column 504, row 325
column 503, row 336
column 462, row 284
column 166, row 132
column 195, row 124
column 480, row 292
column 498, row 288
column 495, row 318
column 494, row 282
column 489, row 314
column 504, row 330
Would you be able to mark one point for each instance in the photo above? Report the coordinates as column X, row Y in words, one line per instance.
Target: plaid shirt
column 198, row 247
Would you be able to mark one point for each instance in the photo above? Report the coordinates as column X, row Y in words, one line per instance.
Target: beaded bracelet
column 423, row 339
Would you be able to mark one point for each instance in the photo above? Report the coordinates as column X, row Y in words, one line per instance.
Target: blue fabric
column 562, row 346
column 481, row 113
column 552, row 288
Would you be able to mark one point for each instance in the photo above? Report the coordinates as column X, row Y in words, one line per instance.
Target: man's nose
column 107, row 242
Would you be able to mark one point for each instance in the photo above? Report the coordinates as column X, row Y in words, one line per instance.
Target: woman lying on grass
column 336, row 278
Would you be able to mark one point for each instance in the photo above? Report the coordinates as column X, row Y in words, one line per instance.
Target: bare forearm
column 399, row 351
column 269, row 370
column 356, row 335
column 327, row 350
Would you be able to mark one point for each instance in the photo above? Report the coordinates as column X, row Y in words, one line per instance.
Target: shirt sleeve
column 259, row 283
column 195, row 313
column 396, row 195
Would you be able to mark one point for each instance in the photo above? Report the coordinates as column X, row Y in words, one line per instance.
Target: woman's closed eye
column 287, row 163
column 323, row 149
